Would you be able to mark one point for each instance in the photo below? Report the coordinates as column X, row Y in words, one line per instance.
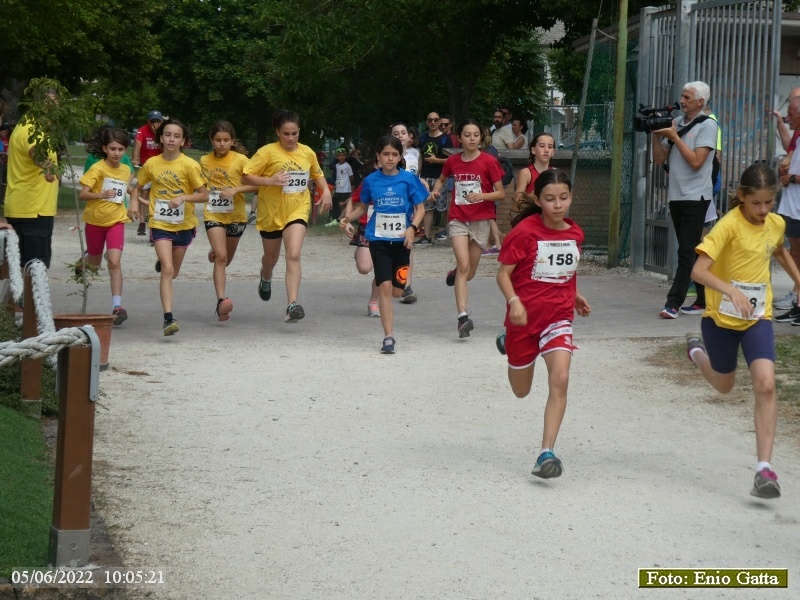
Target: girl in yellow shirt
column 282, row 171
column 176, row 181
column 734, row 264
column 225, row 213
column 103, row 188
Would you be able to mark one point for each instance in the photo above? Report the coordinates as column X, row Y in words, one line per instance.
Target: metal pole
column 78, row 374
column 579, row 125
column 619, row 132
column 30, row 388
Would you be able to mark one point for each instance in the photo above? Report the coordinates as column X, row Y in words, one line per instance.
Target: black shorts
column 232, row 230
column 792, row 227
column 35, row 238
column 390, row 261
column 360, row 239
column 278, row 234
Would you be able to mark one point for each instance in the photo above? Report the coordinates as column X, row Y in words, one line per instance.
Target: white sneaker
column 786, row 302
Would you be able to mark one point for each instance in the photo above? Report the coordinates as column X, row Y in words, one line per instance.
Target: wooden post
column 31, row 384
column 70, row 530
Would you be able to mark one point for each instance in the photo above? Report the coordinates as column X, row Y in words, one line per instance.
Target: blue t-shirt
column 393, row 200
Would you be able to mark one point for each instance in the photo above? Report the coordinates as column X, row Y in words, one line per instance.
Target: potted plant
column 54, row 113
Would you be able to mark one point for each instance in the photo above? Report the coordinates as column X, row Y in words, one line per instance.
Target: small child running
column 177, row 181
column 396, row 196
column 478, row 184
column 734, row 264
column 538, row 265
column 283, row 171
column 225, row 213
column 103, row 187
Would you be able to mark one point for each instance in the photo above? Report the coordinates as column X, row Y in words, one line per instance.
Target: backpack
column 508, row 169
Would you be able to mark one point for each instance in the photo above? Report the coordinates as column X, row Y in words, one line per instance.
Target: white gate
column 732, row 45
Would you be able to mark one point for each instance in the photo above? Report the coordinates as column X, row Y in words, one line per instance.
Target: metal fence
column 593, row 152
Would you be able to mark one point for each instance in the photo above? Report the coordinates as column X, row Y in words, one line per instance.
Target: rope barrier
column 41, row 346
column 49, row 341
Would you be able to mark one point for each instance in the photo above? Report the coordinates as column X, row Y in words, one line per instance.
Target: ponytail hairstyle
column 466, row 122
column 104, row 135
column 535, row 141
column 388, row 140
column 284, row 116
column 224, row 126
column 755, row 178
column 170, row 121
column 525, row 205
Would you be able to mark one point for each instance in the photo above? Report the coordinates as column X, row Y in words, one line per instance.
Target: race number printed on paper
column 164, row 213
column 756, row 294
column 556, row 262
column 298, row 182
column 390, row 225
column 119, row 188
column 218, row 204
column 464, row 188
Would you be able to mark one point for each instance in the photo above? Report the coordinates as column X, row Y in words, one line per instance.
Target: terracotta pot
column 102, row 326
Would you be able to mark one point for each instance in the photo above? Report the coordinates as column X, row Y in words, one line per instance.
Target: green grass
column 26, row 493
column 787, row 377
column 787, row 350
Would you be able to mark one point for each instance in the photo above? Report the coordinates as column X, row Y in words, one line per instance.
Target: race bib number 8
column 298, row 182
column 164, row 213
column 390, row 225
column 119, row 188
column 556, row 261
column 464, row 188
column 217, row 204
column 756, row 294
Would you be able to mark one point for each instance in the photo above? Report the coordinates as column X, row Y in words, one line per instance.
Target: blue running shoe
column 547, row 466
column 500, row 342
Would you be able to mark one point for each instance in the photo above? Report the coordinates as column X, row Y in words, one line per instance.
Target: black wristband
column 414, row 226
column 792, row 179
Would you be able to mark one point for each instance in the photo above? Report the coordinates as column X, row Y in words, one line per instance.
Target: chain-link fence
column 593, row 152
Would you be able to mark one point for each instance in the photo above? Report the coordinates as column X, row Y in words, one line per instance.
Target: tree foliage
column 74, row 40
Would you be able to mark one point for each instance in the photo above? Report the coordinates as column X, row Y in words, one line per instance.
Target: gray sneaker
column 294, row 312
column 766, row 485
column 786, row 302
column 408, row 297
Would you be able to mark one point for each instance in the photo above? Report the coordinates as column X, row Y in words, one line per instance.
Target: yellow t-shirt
column 105, row 213
column 224, row 173
column 741, row 252
column 171, row 178
column 28, row 194
column 278, row 205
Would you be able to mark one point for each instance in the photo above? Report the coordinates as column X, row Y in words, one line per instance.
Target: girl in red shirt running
column 478, row 184
column 538, row 263
column 542, row 148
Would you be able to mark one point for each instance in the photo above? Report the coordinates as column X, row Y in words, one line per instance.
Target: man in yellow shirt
column 31, row 196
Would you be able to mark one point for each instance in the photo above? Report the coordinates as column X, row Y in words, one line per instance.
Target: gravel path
column 255, row 459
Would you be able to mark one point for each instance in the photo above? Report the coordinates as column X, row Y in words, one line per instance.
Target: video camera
column 654, row 118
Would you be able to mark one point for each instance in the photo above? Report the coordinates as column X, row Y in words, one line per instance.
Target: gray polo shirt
column 684, row 182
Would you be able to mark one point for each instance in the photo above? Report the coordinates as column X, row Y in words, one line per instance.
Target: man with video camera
column 688, row 149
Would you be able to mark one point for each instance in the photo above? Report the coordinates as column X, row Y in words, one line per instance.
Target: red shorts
column 522, row 348
column 113, row 238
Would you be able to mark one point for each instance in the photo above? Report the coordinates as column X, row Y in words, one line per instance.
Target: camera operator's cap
column 155, row 115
